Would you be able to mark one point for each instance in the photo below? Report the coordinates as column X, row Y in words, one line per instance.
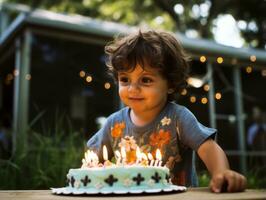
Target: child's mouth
column 135, row 98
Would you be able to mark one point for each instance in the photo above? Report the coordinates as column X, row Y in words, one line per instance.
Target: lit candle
column 105, row 155
column 151, row 159
column 95, row 159
column 88, row 158
column 143, row 156
column 144, row 159
column 118, row 157
column 123, row 155
column 138, row 155
column 158, row 161
column 84, row 164
column 160, row 158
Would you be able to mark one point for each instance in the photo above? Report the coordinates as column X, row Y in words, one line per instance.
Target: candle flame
column 150, row 156
column 143, row 156
column 94, row 156
column 158, row 155
column 87, row 156
column 105, row 153
column 138, row 153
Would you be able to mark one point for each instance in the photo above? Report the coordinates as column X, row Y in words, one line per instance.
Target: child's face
column 143, row 90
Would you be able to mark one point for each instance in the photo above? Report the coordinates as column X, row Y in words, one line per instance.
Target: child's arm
column 215, row 160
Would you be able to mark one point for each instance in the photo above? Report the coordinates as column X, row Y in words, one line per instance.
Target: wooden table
column 190, row 194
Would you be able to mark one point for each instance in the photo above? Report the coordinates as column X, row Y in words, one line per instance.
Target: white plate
column 74, row 191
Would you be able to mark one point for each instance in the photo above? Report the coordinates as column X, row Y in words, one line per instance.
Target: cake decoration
column 156, row 177
column 98, row 186
column 128, row 182
column 77, row 184
column 85, row 181
column 72, row 181
column 151, row 183
column 111, row 180
column 138, row 179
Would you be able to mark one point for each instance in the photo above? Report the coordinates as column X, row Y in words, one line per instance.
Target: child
column 150, row 68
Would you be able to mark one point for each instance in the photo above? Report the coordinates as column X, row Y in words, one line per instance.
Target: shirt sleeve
column 192, row 132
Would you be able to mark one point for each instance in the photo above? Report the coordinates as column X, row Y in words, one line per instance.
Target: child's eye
column 146, row 80
column 123, row 79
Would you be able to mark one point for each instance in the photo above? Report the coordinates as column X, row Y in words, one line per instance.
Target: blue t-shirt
column 175, row 131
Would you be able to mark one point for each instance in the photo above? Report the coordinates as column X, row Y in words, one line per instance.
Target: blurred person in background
column 256, row 137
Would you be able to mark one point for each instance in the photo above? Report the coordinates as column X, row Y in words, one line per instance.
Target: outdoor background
column 60, row 121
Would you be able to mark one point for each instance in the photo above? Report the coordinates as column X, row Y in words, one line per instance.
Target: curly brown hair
column 156, row 49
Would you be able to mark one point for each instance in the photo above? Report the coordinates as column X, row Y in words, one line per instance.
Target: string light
column 82, row 74
column 107, row 85
column 220, row 60
column 248, row 69
column 184, row 92
column 206, row 87
column 252, row 58
column 193, row 99
column 28, row 77
column 263, row 73
column 16, row 72
column 204, row 100
column 203, row 59
column 89, row 79
column 9, row 77
column 218, row 95
column 195, row 82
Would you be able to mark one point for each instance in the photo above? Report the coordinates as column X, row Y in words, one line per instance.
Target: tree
column 250, row 12
column 174, row 15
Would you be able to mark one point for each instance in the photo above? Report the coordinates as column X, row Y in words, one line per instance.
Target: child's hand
column 228, row 181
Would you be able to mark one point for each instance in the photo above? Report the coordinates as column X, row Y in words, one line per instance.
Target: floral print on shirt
column 117, row 130
column 160, row 139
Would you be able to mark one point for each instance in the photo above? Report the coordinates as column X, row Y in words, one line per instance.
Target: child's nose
column 134, row 87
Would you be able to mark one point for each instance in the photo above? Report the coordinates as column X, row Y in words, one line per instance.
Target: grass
column 46, row 161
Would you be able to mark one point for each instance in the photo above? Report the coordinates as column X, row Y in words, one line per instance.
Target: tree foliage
column 163, row 14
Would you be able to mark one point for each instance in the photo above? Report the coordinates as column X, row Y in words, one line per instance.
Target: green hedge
column 46, row 161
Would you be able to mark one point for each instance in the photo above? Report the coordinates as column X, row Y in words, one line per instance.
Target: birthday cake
column 118, row 178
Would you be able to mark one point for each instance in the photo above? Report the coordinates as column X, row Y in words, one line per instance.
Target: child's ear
column 170, row 91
